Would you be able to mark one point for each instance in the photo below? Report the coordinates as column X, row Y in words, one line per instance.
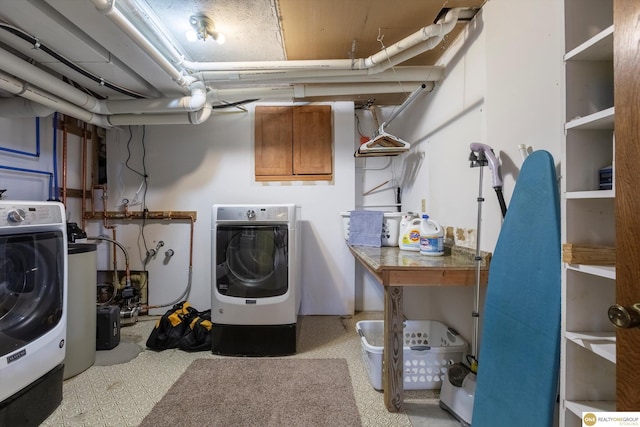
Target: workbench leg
column 392, row 357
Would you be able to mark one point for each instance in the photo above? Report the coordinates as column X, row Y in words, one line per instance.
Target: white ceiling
column 251, row 28
column 257, row 30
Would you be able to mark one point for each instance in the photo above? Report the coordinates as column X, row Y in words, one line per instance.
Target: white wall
column 192, row 167
column 502, row 88
column 20, row 134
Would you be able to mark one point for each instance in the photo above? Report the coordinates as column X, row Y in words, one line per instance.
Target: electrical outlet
column 424, row 205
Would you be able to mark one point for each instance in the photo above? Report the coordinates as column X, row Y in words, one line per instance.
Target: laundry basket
column 390, row 227
column 429, row 348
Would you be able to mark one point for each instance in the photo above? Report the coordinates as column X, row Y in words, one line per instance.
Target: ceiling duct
column 303, row 79
column 433, row 34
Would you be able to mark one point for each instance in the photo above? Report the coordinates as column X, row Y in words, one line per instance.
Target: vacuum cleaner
column 486, row 156
column 459, row 383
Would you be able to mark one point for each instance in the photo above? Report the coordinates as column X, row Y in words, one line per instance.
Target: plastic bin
column 429, row 348
column 390, row 227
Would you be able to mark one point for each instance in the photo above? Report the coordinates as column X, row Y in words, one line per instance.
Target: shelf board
column 386, row 205
column 601, row 120
column 592, row 194
column 608, row 272
column 577, row 253
column 601, row 343
column 579, row 406
column 359, row 154
column 597, row 48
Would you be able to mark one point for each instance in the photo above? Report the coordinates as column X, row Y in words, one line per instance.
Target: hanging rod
column 406, row 103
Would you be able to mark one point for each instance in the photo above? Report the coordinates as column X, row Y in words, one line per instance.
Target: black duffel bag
column 198, row 334
column 172, row 327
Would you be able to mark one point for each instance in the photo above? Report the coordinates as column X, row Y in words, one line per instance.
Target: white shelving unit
column 588, row 346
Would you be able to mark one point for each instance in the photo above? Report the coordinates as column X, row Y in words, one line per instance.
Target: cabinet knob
column 625, row 317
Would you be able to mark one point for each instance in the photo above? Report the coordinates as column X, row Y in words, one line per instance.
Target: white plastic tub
column 429, row 348
column 390, row 227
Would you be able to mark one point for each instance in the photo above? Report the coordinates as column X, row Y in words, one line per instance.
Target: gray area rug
column 262, row 391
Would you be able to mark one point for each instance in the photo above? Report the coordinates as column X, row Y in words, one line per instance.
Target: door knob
column 625, row 317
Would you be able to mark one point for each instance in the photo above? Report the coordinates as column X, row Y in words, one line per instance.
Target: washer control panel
column 252, row 213
column 21, row 214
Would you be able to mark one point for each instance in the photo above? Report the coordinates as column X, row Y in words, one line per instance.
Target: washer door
column 252, row 261
column 31, row 287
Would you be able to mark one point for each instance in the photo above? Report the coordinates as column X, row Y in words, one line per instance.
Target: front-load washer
column 255, row 294
column 33, row 310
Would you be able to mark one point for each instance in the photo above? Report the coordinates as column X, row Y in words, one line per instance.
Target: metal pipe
column 476, row 294
column 406, row 103
column 116, row 279
column 33, row 93
column 190, row 273
column 20, row 107
column 221, row 95
column 74, row 102
column 36, row 94
column 438, row 31
column 404, row 74
column 126, row 257
column 56, row 194
column 84, row 172
column 34, row 75
column 64, row 162
column 104, row 222
column 192, row 102
column 161, row 216
column 186, row 118
column 431, row 34
column 111, row 12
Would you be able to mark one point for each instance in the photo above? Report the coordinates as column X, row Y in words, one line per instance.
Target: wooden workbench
column 394, row 269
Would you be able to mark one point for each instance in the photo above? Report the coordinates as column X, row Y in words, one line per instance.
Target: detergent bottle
column 409, row 238
column 431, row 237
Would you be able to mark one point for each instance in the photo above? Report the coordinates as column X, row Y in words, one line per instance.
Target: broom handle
column 376, row 187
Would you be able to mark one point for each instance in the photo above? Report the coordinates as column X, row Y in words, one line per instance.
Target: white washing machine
column 255, row 295
column 33, row 310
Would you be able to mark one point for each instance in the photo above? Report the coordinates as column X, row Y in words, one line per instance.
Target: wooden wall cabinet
column 293, row 143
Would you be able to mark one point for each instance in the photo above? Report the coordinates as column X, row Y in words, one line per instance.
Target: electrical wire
column 126, row 163
column 143, row 185
column 144, row 189
column 380, row 39
column 233, row 104
column 38, row 45
column 102, row 82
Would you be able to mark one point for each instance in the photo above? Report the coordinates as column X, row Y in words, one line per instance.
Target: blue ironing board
column 520, row 343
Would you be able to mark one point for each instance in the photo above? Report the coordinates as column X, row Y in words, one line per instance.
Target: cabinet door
column 273, row 145
column 627, row 125
column 312, row 136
